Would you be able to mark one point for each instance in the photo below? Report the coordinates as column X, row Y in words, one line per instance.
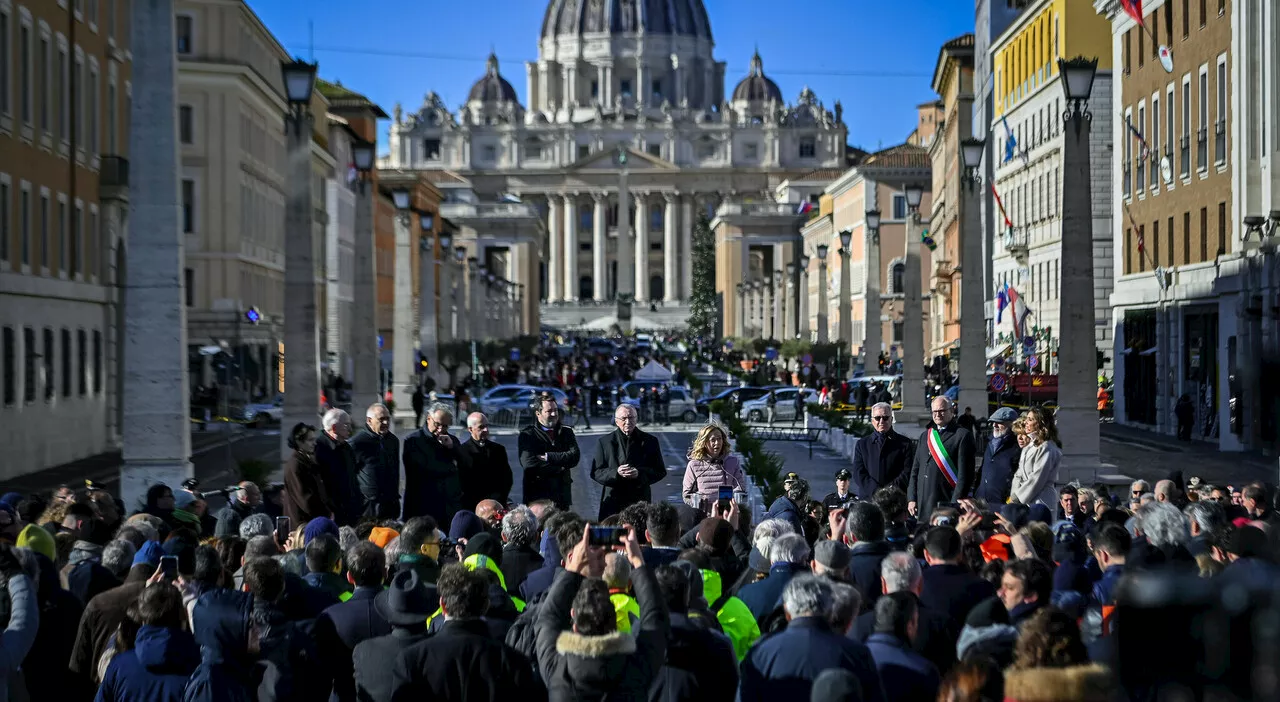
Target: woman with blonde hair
column 710, row 467
column 1038, row 467
column 1019, row 429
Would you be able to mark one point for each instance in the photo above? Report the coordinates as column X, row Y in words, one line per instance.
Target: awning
column 998, row 351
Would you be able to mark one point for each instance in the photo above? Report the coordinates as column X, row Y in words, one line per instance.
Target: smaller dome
column 493, row 87
column 757, row 87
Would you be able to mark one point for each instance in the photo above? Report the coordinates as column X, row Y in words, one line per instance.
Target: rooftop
column 340, row 97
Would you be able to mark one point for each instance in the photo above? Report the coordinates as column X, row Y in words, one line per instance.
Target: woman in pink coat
column 710, row 467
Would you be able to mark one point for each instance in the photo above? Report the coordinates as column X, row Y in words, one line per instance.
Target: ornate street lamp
column 299, row 84
column 1077, row 84
column 971, row 151
column 914, row 194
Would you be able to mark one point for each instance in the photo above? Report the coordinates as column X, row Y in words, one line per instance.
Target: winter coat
column 431, row 482
column 485, row 472
column 550, row 478
column 375, row 660
column 342, row 627
column 517, row 563
column 906, row 675
column 377, row 472
column 999, row 462
column 220, row 622
column 864, row 565
column 462, row 662
column 305, row 497
column 732, row 613
column 1037, row 473
column 337, row 464
column 995, row 642
column 84, row 576
column 612, row 666
column 935, row 636
column 102, row 616
column 1082, row 683
column 880, row 463
column 640, row 450
column 788, row 511
column 289, row 648
column 20, row 633
column 783, row 666
column 706, row 477
column 156, row 669
column 927, row 486
column 952, row 590
column 700, row 665
column 766, row 595
column 45, row 668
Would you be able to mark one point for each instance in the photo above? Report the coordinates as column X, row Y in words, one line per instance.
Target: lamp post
column 428, row 297
column 913, row 407
column 364, row 320
column 740, row 317
column 475, row 324
column 301, row 340
column 460, row 294
column 973, row 323
column 823, row 305
column 792, row 312
column 802, row 320
column 448, row 325
column 846, row 295
column 766, row 308
column 1077, row 416
column 779, row 305
column 404, row 366
column 872, row 327
column 757, row 319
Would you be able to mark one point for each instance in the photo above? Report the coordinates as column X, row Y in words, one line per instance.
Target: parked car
column 261, row 414
column 735, row 396
column 681, row 407
column 498, row 393
column 757, row 410
column 509, row 409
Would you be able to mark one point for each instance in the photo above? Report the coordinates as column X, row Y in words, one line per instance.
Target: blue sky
column 875, row 56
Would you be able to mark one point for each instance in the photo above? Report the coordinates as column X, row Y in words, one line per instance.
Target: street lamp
column 873, row 223
column 973, row 323
column 971, row 151
column 914, row 194
column 400, row 198
column 1077, row 83
column 299, row 83
column 459, row 254
column 824, row 308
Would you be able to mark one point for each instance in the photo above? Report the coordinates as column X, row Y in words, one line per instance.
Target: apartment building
column 64, row 106
column 1026, row 127
column 1174, row 315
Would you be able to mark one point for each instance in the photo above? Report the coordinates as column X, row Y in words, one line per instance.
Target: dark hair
column 673, row 583
column 943, row 543
column 637, row 515
column 81, row 512
column 416, row 532
column 365, row 527
column 1068, row 489
column 264, row 578
column 31, row 507
column 1049, row 639
column 366, row 564
column 208, row 569
column 1257, row 493
column 866, row 522
column 1115, row 515
column 663, row 524
column 894, row 612
column 161, row 605
column 992, row 571
column 298, row 432
column 1036, row 577
column 1112, row 538
column 231, row 550
column 132, row 534
column 593, row 613
column 892, row 502
column 323, row 553
column 261, row 546
column 463, row 594
column 699, row 556
column 973, row 680
column 568, row 533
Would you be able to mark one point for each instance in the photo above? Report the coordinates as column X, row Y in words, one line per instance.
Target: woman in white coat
column 1037, row 475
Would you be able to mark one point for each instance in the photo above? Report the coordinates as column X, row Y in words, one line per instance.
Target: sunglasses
column 879, row 417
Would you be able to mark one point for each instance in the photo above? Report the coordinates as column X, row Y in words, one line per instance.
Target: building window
column 44, row 83
column 61, row 87
column 1202, row 133
column 1127, row 160
column 77, row 240
column 110, row 22
column 1220, row 125
column 595, row 89
column 1142, row 259
column 1222, row 228
column 808, row 147
column 1202, row 13
column 24, row 222
column 654, row 150
column 77, row 95
column 751, row 150
column 189, row 285
column 1169, row 241
column 5, row 231
column 1141, row 52
column 897, row 332
column 1155, row 141
column 95, row 107
column 431, row 149
column 655, row 90
column 5, row 73
column 490, row 153
column 1126, row 53
column 10, row 367
column 62, row 234
column 1155, row 242
column 1186, row 126
column 27, row 80
column 97, row 361
column 44, row 230
column 28, row 365
column 1142, row 162
column 896, row 274
column 583, row 151
column 188, row 206
column 50, row 378
column 1204, row 233
column 184, row 30
column 82, row 351
column 624, row 87
column 66, row 362
column 899, row 206
column 186, row 125
column 1186, row 19
column 1186, row 238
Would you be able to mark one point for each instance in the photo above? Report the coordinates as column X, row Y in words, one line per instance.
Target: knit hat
column 836, row 685
column 383, row 536
column 987, row 613
column 37, row 539
column 183, row 499
column 484, row 544
column 465, row 525
column 318, row 526
column 832, row 555
column 149, row 554
column 11, row 499
column 716, row 534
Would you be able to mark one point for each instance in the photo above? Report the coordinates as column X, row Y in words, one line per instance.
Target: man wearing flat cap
column 1000, row 458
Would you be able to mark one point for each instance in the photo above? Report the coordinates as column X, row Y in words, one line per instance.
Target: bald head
column 943, row 411
column 478, row 426
column 378, row 418
column 1166, row 491
column 488, row 510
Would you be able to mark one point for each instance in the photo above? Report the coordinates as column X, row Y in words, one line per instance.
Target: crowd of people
column 936, row 570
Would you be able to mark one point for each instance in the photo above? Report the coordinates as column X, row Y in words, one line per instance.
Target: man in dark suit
column 548, row 454
column 431, row 482
column 627, row 462
column 484, row 469
column 377, row 453
column 881, row 458
column 999, row 459
column 342, row 626
column 338, row 467
column 948, row 586
column 942, row 470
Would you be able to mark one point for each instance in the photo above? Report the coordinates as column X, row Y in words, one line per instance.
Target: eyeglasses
column 941, row 411
column 879, row 417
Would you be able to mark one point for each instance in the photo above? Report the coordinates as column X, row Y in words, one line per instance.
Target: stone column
column 872, row 327
column 642, row 83
column 740, row 317
column 670, row 250
column 642, row 247
column 913, row 405
column 802, row 320
column 779, row 305
column 973, row 323
column 789, row 320
column 570, row 248
column 404, row 361
column 475, row 320
column 156, row 431
column 448, row 322
column 600, row 247
column 556, row 245
column 846, row 304
column 824, row 308
column 686, row 249
column 624, row 253
column 768, row 305
column 602, row 79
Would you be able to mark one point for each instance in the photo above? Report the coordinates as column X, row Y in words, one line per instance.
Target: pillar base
column 403, row 419
column 137, row 475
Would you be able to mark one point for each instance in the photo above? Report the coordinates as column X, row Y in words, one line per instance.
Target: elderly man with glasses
column 942, row 470
column 882, row 458
column 627, row 462
column 1000, row 458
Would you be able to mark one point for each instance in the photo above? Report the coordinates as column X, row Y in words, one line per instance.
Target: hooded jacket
column 20, row 634
column 156, row 669
column 734, row 617
column 227, row 673
column 700, row 665
column 1082, row 683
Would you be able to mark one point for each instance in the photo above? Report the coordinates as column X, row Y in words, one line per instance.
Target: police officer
column 841, row 498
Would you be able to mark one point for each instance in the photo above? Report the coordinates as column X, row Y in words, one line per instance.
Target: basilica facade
column 590, row 188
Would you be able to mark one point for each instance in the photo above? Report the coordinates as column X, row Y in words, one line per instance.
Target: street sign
column 998, row 382
column 379, row 341
column 807, row 359
column 1028, row 340
column 770, row 354
column 998, row 362
column 1033, row 361
column 515, row 354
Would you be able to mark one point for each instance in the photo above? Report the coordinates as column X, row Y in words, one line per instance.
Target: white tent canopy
column 655, row 372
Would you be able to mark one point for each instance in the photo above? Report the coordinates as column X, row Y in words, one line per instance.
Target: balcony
column 113, row 178
column 746, row 213
column 1015, row 242
column 487, row 211
column 1220, row 142
column 1185, row 144
column 1202, row 149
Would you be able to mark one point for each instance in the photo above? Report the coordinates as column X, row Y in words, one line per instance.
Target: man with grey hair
column 520, row 555
column 1136, row 491
column 789, row 557
column 432, row 485
column 484, row 469
column 1165, row 536
column 936, row 634
column 257, row 525
column 784, row 666
column 942, row 469
column 241, row 503
column 337, row 464
column 377, row 454
column 626, row 463
column 1208, row 522
column 883, row 457
column 117, row 557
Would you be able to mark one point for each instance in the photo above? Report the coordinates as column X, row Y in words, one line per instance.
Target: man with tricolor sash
column 942, row 470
